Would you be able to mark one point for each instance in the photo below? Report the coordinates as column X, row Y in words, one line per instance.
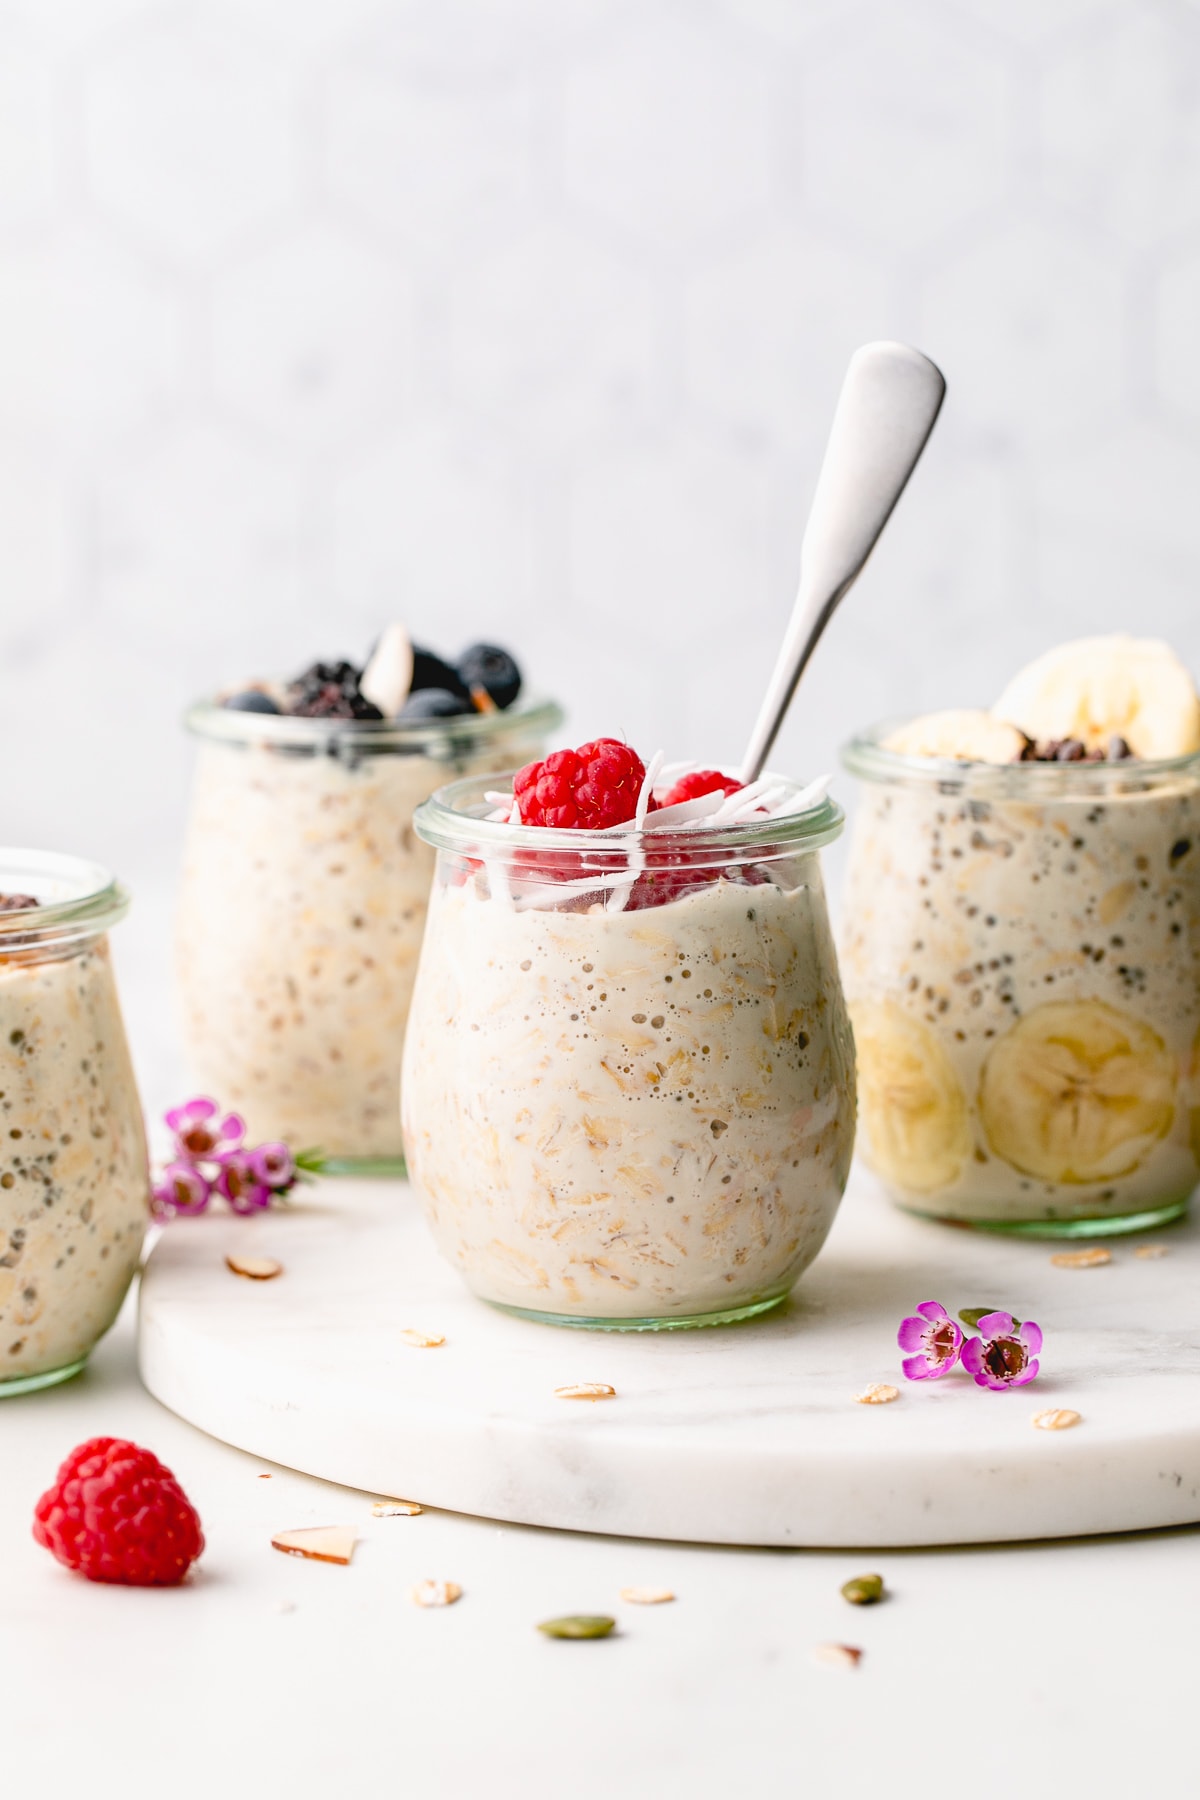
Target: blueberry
column 429, row 671
column 253, row 700
column 493, row 669
column 435, row 703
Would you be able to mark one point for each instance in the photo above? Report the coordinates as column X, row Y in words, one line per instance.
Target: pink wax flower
column 274, row 1166
column 237, row 1179
column 1005, row 1354
column 180, row 1189
column 933, row 1340
column 200, row 1133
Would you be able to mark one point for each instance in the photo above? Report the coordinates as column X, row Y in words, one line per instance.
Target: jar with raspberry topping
column 628, row 1093
column 74, row 1179
column 302, row 908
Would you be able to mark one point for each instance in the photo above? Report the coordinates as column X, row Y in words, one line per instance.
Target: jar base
column 730, row 1315
column 1118, row 1225
column 391, row 1168
column 32, row 1384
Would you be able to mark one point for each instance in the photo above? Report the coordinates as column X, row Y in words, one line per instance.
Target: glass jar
column 628, row 1088
column 1020, row 947
column 74, row 1178
column 302, row 908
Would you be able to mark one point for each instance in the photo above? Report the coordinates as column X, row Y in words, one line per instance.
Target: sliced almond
column 1150, row 1252
column 255, row 1268
column 1095, row 1258
column 646, row 1596
column 878, row 1394
column 841, row 1656
column 321, row 1543
column 1056, row 1418
column 436, row 1593
column 586, row 1390
column 421, row 1340
column 396, row 1509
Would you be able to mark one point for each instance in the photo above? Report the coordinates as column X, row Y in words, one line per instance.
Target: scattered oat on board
column 1150, row 1252
column 436, row 1593
column 396, row 1509
column 1095, row 1258
column 840, row 1656
column 646, row 1596
column 1056, row 1418
column 878, row 1394
column 421, row 1340
column 254, row 1268
column 586, row 1390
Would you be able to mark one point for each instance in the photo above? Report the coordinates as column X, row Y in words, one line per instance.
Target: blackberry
column 435, row 703
column 493, row 669
column 329, row 691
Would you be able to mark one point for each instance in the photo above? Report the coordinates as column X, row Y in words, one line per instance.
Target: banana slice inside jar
column 1078, row 1091
column 911, row 1103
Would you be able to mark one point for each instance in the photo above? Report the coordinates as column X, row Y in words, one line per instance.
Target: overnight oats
column 305, row 886
column 629, row 1083
column 74, row 1182
column 1020, row 948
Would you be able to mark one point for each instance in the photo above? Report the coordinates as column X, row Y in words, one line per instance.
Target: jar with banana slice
column 1021, row 947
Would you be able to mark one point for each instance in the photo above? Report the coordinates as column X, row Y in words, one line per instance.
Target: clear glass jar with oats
column 628, row 1083
column 302, row 908
column 1021, row 953
column 74, row 1179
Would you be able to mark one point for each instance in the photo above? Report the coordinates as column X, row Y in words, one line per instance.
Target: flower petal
column 971, row 1356
column 1027, row 1374
column 911, row 1335
column 1031, row 1335
column 916, row 1368
column 932, row 1309
column 997, row 1324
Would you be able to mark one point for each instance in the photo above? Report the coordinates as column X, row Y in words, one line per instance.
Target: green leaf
column 971, row 1315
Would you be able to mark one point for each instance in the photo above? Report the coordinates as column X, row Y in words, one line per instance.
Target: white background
column 524, row 319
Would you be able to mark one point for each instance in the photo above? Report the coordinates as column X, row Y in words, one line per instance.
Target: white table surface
column 1051, row 1669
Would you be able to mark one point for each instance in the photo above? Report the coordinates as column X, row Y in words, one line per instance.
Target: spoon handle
column 887, row 409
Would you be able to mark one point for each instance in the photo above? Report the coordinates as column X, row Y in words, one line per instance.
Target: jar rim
column 77, row 898
column 454, row 819
column 866, row 756
column 438, row 739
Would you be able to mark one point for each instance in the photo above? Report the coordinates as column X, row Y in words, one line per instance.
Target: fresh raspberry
column 116, row 1514
column 704, row 781
column 581, row 790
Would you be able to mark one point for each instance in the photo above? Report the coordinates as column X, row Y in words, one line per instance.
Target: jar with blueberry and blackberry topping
column 305, row 887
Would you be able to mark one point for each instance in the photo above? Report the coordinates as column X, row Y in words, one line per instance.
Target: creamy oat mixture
column 1024, row 985
column 74, row 1185
column 301, row 914
column 631, row 1115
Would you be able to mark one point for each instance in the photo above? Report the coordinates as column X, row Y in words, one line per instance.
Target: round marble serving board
column 745, row 1434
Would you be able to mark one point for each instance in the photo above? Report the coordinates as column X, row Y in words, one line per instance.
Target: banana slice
column 388, row 676
column 1077, row 1092
column 959, row 735
column 1099, row 688
column 910, row 1101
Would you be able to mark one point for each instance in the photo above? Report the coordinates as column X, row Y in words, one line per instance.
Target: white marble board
column 746, row 1434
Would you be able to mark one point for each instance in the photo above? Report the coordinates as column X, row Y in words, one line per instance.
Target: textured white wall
column 524, row 319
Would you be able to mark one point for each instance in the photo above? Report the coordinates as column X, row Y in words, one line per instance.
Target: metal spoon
column 887, row 409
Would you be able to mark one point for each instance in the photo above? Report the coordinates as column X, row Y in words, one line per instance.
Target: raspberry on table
column 581, row 790
column 703, row 781
column 116, row 1514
